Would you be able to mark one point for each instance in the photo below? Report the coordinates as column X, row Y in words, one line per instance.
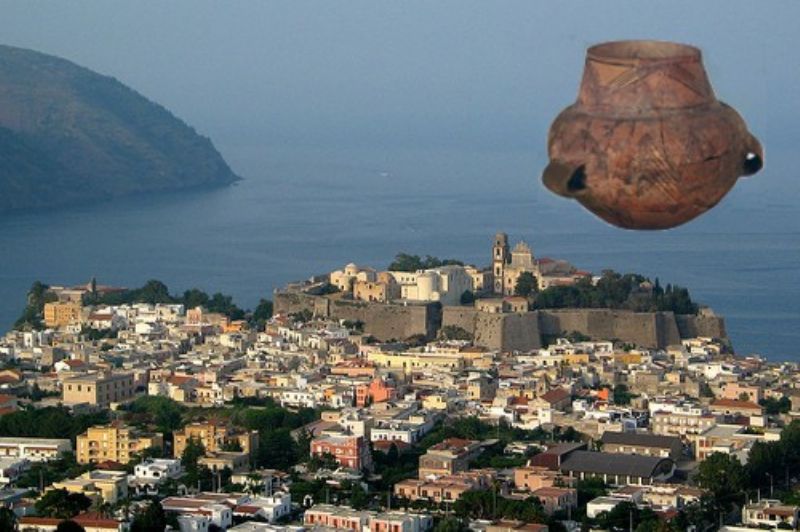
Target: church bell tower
column 499, row 260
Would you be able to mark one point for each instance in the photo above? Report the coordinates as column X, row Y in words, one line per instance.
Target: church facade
column 508, row 264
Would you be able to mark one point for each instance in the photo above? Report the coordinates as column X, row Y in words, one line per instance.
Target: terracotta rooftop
column 734, row 403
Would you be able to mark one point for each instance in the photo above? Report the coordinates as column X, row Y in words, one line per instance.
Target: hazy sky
column 480, row 75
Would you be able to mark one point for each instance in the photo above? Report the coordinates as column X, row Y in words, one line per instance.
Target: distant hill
column 69, row 135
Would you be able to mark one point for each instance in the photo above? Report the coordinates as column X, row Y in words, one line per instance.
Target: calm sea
column 304, row 211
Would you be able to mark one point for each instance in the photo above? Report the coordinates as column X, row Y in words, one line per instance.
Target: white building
column 256, row 526
column 34, row 449
column 602, row 504
column 405, row 431
column 193, row 523
column 211, row 507
column 270, row 508
column 398, row 521
column 445, row 284
column 771, row 513
column 149, row 474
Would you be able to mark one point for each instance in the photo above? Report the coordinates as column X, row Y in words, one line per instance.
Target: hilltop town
column 526, row 394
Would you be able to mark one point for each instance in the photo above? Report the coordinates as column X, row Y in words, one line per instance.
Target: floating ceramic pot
column 648, row 145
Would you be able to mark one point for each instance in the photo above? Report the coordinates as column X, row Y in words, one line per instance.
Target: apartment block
column 214, row 437
column 116, row 443
column 98, row 389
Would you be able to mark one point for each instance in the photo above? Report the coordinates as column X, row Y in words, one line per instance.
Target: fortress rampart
column 507, row 331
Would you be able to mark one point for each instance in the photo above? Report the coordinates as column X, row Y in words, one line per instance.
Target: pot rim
column 642, row 50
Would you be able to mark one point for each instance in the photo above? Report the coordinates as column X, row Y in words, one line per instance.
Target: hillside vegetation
column 70, row 135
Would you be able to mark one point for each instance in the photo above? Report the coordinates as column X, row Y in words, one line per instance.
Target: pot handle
column 753, row 157
column 567, row 180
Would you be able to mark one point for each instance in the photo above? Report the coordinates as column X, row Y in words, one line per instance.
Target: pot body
column 647, row 145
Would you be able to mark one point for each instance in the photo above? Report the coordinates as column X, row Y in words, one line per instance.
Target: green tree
column 589, row 489
column 62, row 504
column 467, row 297
column 224, row 305
column 621, row 395
column 724, row 477
column 774, row 407
column 358, row 497
column 154, row 292
column 765, row 460
column 150, row 519
column 623, row 514
column 191, row 454
column 404, row 262
column 277, row 449
column 614, row 290
column 526, row 284
column 262, row 313
column 454, row 332
column 163, row 412
column 32, row 315
column 194, row 298
column 49, row 422
column 450, row 524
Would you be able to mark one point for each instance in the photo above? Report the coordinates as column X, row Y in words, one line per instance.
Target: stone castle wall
column 385, row 322
column 645, row 329
column 505, row 332
column 701, row 325
column 508, row 332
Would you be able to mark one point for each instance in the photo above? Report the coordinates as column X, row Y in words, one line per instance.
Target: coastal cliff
column 70, row 135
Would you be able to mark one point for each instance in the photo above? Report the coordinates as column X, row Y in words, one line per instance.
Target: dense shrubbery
column 403, row 262
column 770, row 466
column 154, row 292
column 42, row 474
column 454, row 332
column 277, row 449
column 50, row 422
column 618, row 291
column 161, row 412
column 484, row 504
column 472, row 428
column 33, row 313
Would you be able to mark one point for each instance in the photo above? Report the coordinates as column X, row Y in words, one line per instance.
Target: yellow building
column 435, row 401
column 576, row 359
column 98, row 389
column 225, row 460
column 117, row 443
column 62, row 313
column 382, row 290
column 408, row 362
column 100, row 486
column 213, row 437
column 628, row 358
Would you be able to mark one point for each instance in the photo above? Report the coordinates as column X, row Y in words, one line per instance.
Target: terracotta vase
column 647, row 145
